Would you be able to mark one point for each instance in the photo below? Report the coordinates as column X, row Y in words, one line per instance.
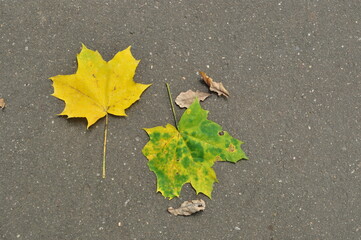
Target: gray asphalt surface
column 292, row 68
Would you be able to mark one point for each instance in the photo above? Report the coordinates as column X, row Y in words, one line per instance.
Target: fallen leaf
column 99, row 87
column 187, row 154
column 2, row 103
column 188, row 208
column 185, row 99
column 214, row 86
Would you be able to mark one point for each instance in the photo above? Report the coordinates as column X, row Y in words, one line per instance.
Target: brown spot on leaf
column 231, row 148
column 221, row 133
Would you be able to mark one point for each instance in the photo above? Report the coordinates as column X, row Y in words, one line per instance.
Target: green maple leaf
column 187, row 155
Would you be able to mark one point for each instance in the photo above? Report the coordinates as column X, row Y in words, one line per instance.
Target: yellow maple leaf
column 99, row 88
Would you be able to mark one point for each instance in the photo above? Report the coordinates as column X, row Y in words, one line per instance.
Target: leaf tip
column 129, row 50
column 146, row 130
column 89, row 124
column 83, row 46
column 61, row 114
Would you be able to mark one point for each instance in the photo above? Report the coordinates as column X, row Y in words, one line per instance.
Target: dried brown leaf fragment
column 188, row 207
column 185, row 99
column 2, row 103
column 214, row 86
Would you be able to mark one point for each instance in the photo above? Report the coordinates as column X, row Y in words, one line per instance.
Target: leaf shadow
column 75, row 121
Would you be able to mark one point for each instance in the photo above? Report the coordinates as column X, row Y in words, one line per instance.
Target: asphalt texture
column 293, row 72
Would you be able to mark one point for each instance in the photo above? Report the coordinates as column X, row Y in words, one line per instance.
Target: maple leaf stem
column 172, row 105
column 105, row 143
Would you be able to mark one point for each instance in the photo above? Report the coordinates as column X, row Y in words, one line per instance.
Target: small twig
column 105, row 143
column 172, row 105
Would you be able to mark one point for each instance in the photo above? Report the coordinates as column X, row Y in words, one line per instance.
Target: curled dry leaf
column 185, row 99
column 2, row 103
column 188, row 207
column 214, row 86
